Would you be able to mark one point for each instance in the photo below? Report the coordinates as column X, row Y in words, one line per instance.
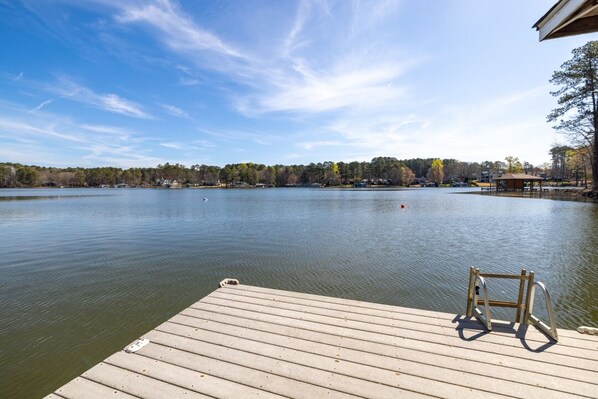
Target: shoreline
column 558, row 194
column 553, row 194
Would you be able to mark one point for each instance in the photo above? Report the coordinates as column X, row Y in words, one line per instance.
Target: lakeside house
column 516, row 181
column 239, row 184
column 171, row 184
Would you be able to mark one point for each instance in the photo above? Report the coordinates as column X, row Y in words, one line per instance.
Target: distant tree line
column 379, row 171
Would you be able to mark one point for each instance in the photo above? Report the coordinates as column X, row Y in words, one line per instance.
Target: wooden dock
column 243, row 342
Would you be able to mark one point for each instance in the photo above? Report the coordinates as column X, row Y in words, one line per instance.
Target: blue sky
column 139, row 83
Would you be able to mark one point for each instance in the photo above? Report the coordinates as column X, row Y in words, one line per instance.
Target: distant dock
column 243, row 342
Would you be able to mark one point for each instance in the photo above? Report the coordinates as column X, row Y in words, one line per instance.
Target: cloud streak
column 455, row 131
column 113, row 103
column 174, row 111
column 57, row 139
column 173, row 146
column 109, row 102
column 314, row 93
column 282, row 82
column 301, row 17
column 17, row 127
column 40, row 106
column 176, row 30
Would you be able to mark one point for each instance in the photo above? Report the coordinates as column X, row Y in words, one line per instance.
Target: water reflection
column 31, row 197
column 39, row 197
column 80, row 279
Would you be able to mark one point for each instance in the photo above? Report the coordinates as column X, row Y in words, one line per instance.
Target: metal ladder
column 477, row 280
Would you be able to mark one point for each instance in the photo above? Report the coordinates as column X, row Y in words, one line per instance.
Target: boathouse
column 516, row 181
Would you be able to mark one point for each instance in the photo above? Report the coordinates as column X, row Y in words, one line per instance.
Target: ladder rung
column 509, row 276
column 503, row 304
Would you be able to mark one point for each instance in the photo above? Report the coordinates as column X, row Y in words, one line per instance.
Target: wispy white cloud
column 105, row 129
column 308, row 145
column 61, row 141
column 185, row 69
column 109, row 102
column 301, row 17
column 177, row 30
column 367, row 15
column 65, row 88
column 120, row 156
column 205, row 144
column 17, row 139
column 112, row 133
column 17, row 127
column 174, row 111
column 189, row 78
column 114, row 103
column 41, row 105
column 314, row 92
column 32, row 153
column 189, row 81
column 354, row 79
column 243, row 135
column 174, row 146
column 455, row 131
column 195, row 145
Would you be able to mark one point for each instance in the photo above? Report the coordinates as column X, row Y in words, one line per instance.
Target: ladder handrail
column 548, row 330
column 485, row 318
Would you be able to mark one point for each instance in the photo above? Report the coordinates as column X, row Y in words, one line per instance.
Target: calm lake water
column 85, row 272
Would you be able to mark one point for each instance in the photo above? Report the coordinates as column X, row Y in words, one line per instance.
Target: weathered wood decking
column 243, row 341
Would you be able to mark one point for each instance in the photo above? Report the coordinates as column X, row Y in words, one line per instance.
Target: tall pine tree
column 577, row 114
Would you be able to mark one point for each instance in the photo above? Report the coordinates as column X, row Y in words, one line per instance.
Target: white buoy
column 587, row 330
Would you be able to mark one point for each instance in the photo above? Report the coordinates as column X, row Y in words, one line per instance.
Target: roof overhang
column 517, row 176
column 568, row 18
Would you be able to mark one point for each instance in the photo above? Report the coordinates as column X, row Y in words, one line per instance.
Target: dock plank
column 196, row 380
column 291, row 385
column 407, row 361
column 387, row 343
column 414, row 376
column 322, row 376
column 137, row 384
column 553, row 354
column 246, row 341
column 82, row 388
column 419, row 320
column 364, row 374
column 375, row 306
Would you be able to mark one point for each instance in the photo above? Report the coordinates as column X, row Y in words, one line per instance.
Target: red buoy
column 402, row 206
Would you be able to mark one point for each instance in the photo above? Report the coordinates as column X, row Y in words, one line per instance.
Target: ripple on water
column 82, row 277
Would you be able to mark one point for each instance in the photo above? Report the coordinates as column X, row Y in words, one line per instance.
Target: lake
column 85, row 272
